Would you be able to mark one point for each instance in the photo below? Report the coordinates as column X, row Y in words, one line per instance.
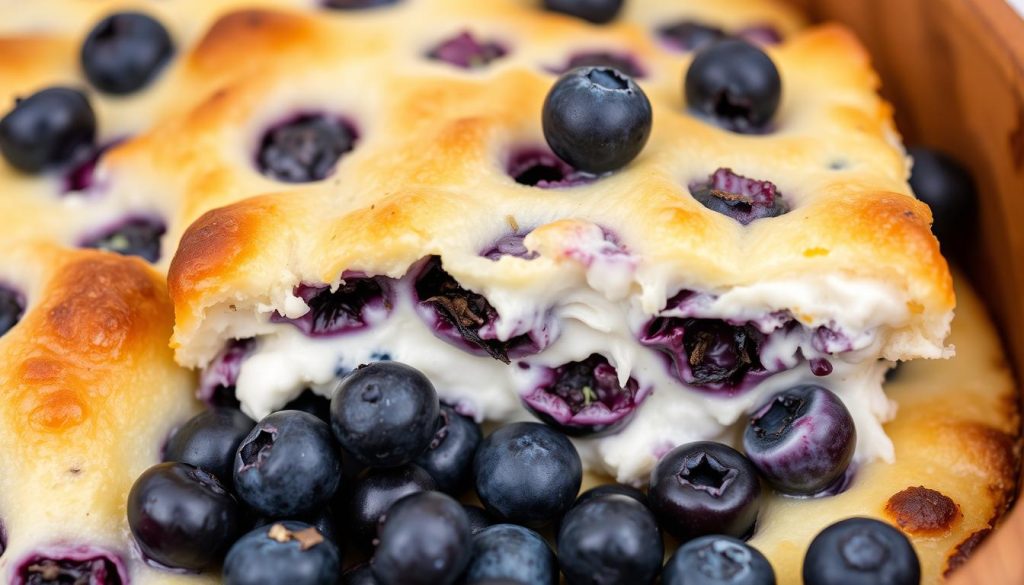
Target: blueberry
column 801, row 440
column 860, row 551
column 739, row 197
column 12, row 307
column 466, row 52
column 595, row 11
column 376, row 490
column 507, row 551
column 304, row 149
column 540, row 168
column 736, row 84
column 527, row 473
column 385, row 414
column 323, row 519
column 181, row 516
column 597, row 119
column 718, row 560
column 705, row 488
column 48, row 129
column 288, row 465
column 209, row 440
column 125, row 51
column 136, row 236
column 689, row 36
column 610, row 539
column 90, row 567
column 359, row 575
column 355, row 304
column 948, row 189
column 449, row 459
column 479, row 519
column 424, row 540
column 312, row 403
column 623, row 62
column 283, row 552
column 611, row 489
column 708, row 353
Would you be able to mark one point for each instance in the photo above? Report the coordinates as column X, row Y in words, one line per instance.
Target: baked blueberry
column 611, row 539
column 12, row 307
column 595, row 11
column 357, row 4
column 375, row 491
column 125, row 51
column 209, row 441
column 527, row 473
column 48, row 129
column 288, row 465
column 136, row 236
column 424, row 540
column 304, row 149
column 608, row 489
column 718, row 560
column 734, row 83
column 597, row 119
column 449, row 458
column 705, row 488
column 688, row 35
column 283, row 552
column 510, row 244
column 181, row 516
column 739, row 197
column 948, row 189
column 355, row 304
column 801, row 440
column 82, row 565
column 507, row 551
column 861, row 551
column 359, row 575
column 622, row 62
column 466, row 52
column 218, row 378
column 385, row 414
column 539, row 168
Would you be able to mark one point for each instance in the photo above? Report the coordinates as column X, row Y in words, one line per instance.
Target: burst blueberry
column 718, row 560
column 355, row 304
column 424, row 540
column 507, row 551
column 595, row 11
column 48, row 129
column 82, row 565
column 449, row 458
column 739, row 197
column 304, row 149
column 376, row 490
column 611, row 539
column 861, row 551
column 734, row 83
column 710, row 353
column 125, row 51
column 466, row 52
column 209, row 441
column 136, row 236
column 283, row 552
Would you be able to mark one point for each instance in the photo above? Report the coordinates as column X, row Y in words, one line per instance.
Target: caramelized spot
column 919, row 510
column 57, row 411
column 247, row 35
column 964, row 550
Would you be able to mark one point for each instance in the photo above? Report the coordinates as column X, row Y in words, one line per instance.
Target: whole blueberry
column 479, row 519
column 385, row 414
column 376, row 490
column 359, row 575
column 735, row 83
column 181, row 516
column 283, row 552
column 595, row 11
column 209, row 440
column 507, row 551
column 597, row 119
column 861, row 551
column 288, row 465
column 948, row 189
column 125, row 51
column 717, row 560
column 449, row 459
column 705, row 488
column 612, row 540
column 609, row 489
column 48, row 129
column 527, row 473
column 424, row 540
column 801, row 440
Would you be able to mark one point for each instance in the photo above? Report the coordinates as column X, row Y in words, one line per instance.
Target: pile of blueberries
column 380, row 471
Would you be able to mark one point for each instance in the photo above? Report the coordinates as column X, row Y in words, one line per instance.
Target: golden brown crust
column 919, row 510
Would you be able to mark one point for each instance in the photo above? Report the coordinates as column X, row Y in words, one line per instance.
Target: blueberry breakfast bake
column 288, row 288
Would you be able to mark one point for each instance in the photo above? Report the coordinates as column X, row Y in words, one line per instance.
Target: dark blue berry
column 734, row 83
column 376, row 490
column 739, row 197
column 507, row 551
column 136, row 236
column 710, row 353
column 542, row 169
column 323, row 519
column 861, row 551
column 359, row 575
column 312, row 403
column 125, row 51
column 948, row 189
column 717, row 560
column 48, row 129
column 385, row 414
column 595, row 11
column 181, row 516
column 611, row 489
column 304, row 149
column 424, row 540
column 527, row 473
column 479, row 519
column 597, row 119
column 12, row 307
column 283, row 552
column 209, row 441
column 622, row 62
column 690, row 36
column 705, row 488
column 610, row 539
column 354, row 305
column 288, row 465
column 801, row 440
column 449, row 459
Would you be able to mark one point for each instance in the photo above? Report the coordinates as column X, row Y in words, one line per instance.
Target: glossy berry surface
column 48, row 129
column 861, row 551
column 283, row 552
column 181, row 516
column 739, row 197
column 287, row 465
column 449, row 458
column 717, row 560
column 376, row 490
column 424, row 540
column 949, row 190
column 734, row 83
column 611, row 539
column 304, row 149
column 385, row 414
column 597, row 119
column 801, row 440
column 209, row 441
column 705, row 488
column 595, row 11
column 507, row 551
column 125, row 51
column 527, row 473
column 12, row 307
column 608, row 489
column 137, row 236
column 709, row 353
